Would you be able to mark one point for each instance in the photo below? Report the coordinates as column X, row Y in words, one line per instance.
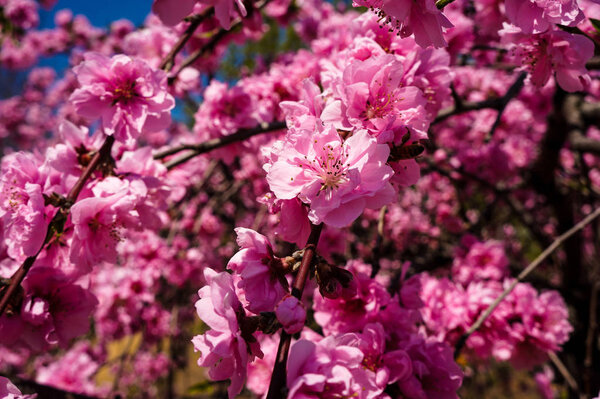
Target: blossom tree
column 301, row 199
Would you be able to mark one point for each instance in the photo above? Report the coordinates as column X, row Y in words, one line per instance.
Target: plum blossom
column 555, row 51
column 291, row 314
column 9, row 391
column 22, row 207
column 54, row 311
column 370, row 95
column 537, row 16
column 226, row 348
column 420, row 17
column 98, row 222
column 338, row 179
column 325, row 369
column 383, row 367
column 262, row 273
column 128, row 96
column 172, row 12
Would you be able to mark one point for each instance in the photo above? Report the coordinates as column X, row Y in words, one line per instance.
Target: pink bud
column 291, row 314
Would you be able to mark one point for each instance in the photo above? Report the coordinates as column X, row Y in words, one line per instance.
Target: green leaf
column 596, row 24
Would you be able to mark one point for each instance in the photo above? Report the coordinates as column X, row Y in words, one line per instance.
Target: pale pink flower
column 226, row 348
column 22, row 208
column 371, row 95
column 54, row 311
column 9, row 391
column 553, row 52
column 172, row 12
column 536, row 16
column 128, row 96
column 324, row 369
column 339, row 179
column 98, row 222
column 420, row 17
column 262, row 274
column 291, row 314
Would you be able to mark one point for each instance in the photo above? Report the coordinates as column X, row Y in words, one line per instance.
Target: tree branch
column 278, row 378
column 57, row 222
column 498, row 103
column 531, row 267
column 207, row 146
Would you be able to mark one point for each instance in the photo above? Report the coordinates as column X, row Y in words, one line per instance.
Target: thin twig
column 562, row 369
column 511, row 93
column 213, row 144
column 498, row 103
column 195, row 21
column 278, row 378
column 537, row 261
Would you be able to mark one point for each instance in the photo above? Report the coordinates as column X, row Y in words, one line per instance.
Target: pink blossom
column 420, row 17
column 383, row 367
column 324, row 369
column 435, row 374
column 536, row 16
column 9, row 391
column 172, row 12
column 543, row 381
column 551, row 52
column 338, row 179
column 226, row 349
column 262, row 273
column 22, row 207
column 347, row 314
column 291, row 314
column 484, row 260
column 127, row 95
column 98, row 222
column 54, row 311
column 22, row 13
column 370, row 95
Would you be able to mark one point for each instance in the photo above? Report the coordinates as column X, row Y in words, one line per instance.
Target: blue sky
column 100, row 12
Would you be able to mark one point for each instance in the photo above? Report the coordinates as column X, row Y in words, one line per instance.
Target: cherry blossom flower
column 420, row 17
column 226, row 348
column 291, row 314
column 262, row 273
column 128, row 96
column 338, row 179
column 537, row 16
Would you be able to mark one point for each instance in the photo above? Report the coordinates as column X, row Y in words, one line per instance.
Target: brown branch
column 579, row 142
column 46, row 391
column 498, row 103
column 212, row 43
column 278, row 378
column 57, row 222
column 531, row 267
column 195, row 21
column 207, row 146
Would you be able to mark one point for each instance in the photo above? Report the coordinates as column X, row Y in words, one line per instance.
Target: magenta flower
column 54, row 311
column 339, row 179
column 262, row 275
column 383, row 367
column 226, row 349
column 371, row 95
column 9, row 391
column 128, row 96
column 557, row 52
column 325, row 369
column 420, row 17
column 22, row 210
column 537, row 16
column 98, row 222
column 172, row 12
column 291, row 314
